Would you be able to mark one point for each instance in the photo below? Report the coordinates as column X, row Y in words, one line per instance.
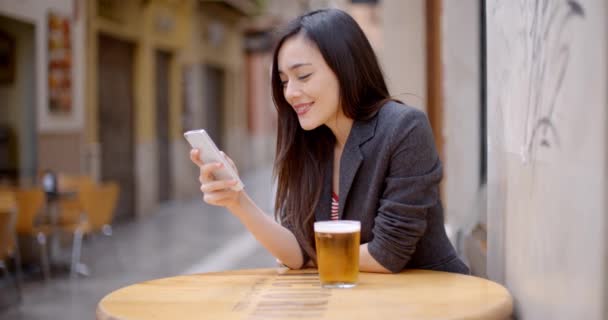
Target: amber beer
column 337, row 244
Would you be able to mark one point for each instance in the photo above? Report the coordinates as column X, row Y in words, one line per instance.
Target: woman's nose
column 291, row 91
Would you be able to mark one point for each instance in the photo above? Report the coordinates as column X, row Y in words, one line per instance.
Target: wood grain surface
column 296, row 294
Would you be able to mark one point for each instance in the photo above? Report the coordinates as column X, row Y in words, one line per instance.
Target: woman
column 341, row 139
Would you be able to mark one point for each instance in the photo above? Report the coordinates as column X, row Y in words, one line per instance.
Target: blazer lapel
column 323, row 209
column 352, row 157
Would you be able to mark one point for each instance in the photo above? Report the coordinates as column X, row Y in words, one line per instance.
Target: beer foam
column 337, row 226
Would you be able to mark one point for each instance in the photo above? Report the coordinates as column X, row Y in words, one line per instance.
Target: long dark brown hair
column 301, row 156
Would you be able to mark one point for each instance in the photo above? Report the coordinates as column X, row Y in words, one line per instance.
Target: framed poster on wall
column 59, row 65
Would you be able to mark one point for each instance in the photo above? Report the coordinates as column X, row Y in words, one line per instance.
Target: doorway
column 214, row 103
column 163, row 60
column 18, row 123
column 116, row 123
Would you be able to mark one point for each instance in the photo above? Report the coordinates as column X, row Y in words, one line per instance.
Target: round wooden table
column 296, row 294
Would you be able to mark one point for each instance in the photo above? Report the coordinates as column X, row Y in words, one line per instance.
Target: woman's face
column 309, row 85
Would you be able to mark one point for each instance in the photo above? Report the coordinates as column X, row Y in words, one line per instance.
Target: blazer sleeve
column 410, row 190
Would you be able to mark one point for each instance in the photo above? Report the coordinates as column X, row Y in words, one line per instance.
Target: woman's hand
column 216, row 192
column 279, row 240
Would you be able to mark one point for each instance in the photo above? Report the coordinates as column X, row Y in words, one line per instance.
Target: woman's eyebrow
column 297, row 65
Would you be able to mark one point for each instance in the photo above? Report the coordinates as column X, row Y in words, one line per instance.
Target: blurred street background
column 98, row 191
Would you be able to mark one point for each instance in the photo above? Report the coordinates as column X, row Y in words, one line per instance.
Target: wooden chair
column 70, row 207
column 99, row 203
column 90, row 212
column 30, row 203
column 73, row 220
column 8, row 241
column 73, row 183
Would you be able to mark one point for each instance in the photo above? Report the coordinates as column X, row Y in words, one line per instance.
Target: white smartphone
column 199, row 139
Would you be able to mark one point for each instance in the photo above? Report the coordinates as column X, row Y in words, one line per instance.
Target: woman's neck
column 340, row 127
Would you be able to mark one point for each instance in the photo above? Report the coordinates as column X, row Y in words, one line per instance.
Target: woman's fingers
column 218, row 197
column 195, row 157
column 229, row 161
column 207, row 171
column 217, row 185
column 215, row 192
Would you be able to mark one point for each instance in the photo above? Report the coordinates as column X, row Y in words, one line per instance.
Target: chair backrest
column 7, row 200
column 71, row 208
column 7, row 187
column 73, row 182
column 30, row 202
column 8, row 212
column 99, row 203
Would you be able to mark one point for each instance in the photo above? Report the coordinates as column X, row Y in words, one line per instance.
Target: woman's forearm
column 278, row 240
column 367, row 263
column 281, row 243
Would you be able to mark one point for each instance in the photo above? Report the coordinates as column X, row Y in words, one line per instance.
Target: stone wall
column 547, row 155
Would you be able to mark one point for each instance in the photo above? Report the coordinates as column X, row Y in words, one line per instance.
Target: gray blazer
column 389, row 180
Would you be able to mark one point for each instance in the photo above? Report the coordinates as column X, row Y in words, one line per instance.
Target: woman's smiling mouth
column 302, row 108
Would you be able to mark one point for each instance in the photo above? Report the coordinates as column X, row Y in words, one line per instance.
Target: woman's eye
column 304, row 77
column 301, row 78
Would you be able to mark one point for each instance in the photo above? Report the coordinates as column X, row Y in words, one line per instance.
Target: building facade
column 106, row 88
column 42, row 96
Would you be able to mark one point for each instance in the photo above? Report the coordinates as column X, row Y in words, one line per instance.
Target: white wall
column 547, row 120
column 460, row 56
column 35, row 12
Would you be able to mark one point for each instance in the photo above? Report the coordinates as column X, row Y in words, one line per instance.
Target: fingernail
column 219, row 165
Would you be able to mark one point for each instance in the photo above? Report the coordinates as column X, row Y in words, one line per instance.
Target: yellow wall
column 141, row 25
column 179, row 27
column 229, row 56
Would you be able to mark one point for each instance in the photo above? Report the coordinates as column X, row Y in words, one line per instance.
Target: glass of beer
column 337, row 244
